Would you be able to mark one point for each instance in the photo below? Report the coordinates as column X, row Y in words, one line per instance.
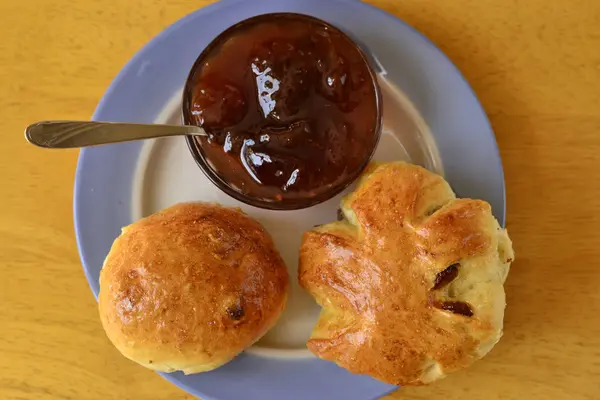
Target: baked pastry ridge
column 410, row 282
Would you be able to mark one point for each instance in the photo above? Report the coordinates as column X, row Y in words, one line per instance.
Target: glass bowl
column 219, row 180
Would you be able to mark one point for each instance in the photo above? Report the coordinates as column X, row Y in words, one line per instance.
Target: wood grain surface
column 534, row 64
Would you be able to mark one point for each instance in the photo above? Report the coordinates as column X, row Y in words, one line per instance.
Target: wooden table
column 535, row 65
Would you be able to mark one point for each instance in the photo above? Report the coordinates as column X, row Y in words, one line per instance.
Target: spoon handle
column 73, row 134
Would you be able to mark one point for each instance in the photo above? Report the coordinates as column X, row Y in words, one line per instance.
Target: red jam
column 290, row 105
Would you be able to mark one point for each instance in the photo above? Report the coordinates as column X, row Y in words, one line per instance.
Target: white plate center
column 167, row 174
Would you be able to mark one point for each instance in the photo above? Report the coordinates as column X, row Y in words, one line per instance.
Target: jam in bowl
column 292, row 109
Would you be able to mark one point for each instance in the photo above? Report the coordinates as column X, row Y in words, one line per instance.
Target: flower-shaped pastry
column 410, row 281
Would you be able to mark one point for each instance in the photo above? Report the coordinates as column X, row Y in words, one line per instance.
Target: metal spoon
column 73, row 134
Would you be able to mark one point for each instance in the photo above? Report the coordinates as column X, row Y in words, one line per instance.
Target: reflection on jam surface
column 290, row 107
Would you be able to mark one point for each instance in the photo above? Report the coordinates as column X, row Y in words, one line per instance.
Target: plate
column 431, row 117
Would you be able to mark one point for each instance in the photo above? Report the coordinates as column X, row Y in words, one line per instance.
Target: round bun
column 190, row 287
column 410, row 281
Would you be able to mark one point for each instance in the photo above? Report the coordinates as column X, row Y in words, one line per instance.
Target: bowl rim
column 288, row 204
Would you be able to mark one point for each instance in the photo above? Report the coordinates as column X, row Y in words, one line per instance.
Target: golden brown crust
column 190, row 287
column 395, row 276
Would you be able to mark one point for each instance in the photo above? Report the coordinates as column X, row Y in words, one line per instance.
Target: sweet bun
column 190, row 287
column 410, row 281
